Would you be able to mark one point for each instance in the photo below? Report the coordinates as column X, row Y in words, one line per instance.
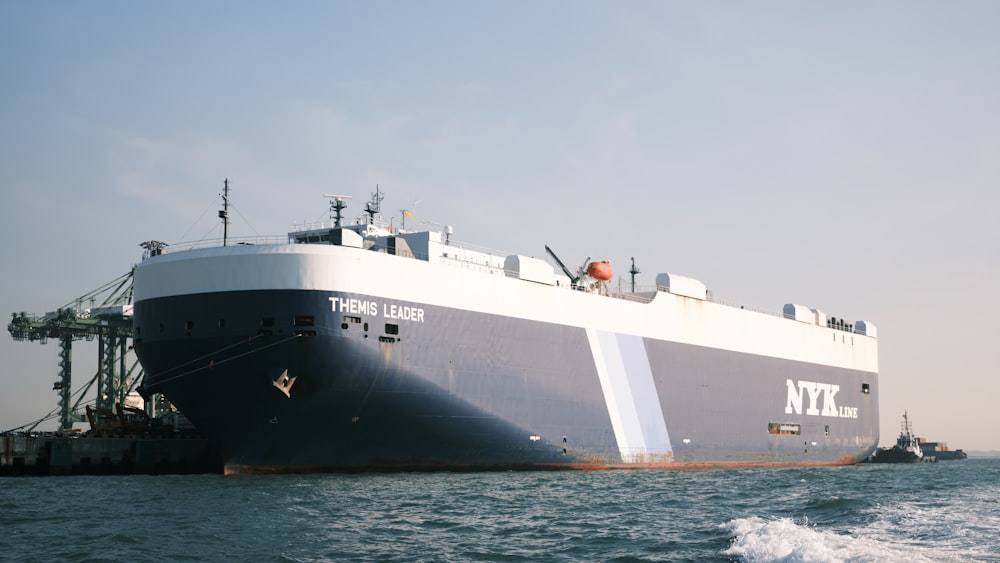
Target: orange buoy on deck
column 600, row 270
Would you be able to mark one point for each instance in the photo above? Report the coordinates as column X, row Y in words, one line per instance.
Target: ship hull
column 287, row 379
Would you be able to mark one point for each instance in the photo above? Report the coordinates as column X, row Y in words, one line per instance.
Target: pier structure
column 122, row 439
column 52, row 453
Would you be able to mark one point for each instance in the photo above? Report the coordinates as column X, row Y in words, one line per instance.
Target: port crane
column 106, row 317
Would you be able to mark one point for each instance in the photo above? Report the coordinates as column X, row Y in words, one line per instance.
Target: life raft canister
column 600, row 270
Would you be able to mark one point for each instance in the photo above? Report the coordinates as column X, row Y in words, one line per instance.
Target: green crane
column 109, row 319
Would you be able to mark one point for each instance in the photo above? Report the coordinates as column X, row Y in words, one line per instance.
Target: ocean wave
column 758, row 539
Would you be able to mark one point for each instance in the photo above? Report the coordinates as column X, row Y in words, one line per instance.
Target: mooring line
column 215, row 363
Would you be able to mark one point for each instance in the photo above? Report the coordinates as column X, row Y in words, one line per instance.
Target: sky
column 842, row 155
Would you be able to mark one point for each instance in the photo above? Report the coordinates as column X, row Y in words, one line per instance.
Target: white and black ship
column 355, row 347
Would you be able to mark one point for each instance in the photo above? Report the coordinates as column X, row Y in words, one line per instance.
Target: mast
column 633, row 271
column 337, row 206
column 224, row 212
column 373, row 207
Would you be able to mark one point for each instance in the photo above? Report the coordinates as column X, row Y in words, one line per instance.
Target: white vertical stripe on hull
column 630, row 393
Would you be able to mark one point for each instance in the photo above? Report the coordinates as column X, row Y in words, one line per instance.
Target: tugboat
column 906, row 450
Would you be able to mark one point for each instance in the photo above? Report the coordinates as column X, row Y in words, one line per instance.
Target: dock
column 60, row 454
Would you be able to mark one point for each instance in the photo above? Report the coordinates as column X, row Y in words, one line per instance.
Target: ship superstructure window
column 391, row 328
column 865, row 388
column 222, row 323
column 313, row 238
column 826, row 429
column 267, row 321
column 352, row 319
column 305, row 320
column 188, row 325
column 784, row 428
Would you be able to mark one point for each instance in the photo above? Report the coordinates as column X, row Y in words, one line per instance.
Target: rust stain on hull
column 238, row 469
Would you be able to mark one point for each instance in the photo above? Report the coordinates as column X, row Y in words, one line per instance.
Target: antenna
column 224, row 212
column 373, row 207
column 633, row 271
column 337, row 205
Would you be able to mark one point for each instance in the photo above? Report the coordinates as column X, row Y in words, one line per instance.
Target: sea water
column 945, row 511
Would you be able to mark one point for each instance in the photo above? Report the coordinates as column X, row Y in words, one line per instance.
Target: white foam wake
column 757, row 539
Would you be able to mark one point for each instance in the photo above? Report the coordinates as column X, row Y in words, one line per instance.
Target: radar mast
column 374, row 207
column 337, row 206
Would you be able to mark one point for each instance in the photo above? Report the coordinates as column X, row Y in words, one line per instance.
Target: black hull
column 895, row 455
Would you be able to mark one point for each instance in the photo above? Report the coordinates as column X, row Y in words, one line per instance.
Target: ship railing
column 230, row 241
column 735, row 305
column 831, row 322
column 636, row 297
column 641, row 294
column 475, row 263
column 646, row 294
column 327, row 224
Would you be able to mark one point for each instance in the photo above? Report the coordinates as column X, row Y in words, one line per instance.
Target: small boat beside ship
column 905, row 450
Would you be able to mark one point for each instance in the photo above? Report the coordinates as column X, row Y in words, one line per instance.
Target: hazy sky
column 840, row 155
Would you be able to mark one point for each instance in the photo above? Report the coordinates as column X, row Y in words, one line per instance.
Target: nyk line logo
column 813, row 391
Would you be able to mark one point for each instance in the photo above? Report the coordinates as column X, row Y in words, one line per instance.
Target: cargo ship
column 359, row 345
